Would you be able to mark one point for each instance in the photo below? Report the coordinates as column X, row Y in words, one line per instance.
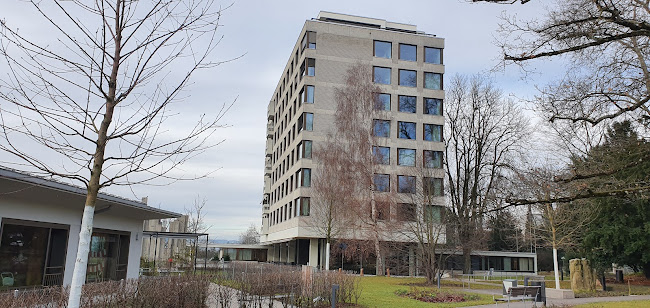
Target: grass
column 627, row 304
column 380, row 292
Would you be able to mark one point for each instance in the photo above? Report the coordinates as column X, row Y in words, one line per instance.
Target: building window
column 407, row 103
column 108, row 256
column 304, row 149
column 305, row 177
column 381, row 75
column 382, row 102
column 383, row 210
column 382, row 49
column 408, row 78
column 433, row 213
column 406, row 130
column 406, row 212
column 433, row 81
column 432, row 187
column 406, row 184
column 432, row 159
column 308, row 67
column 381, row 155
column 433, row 132
column 33, row 252
column 306, row 121
column 381, row 128
column 304, row 206
column 381, row 182
column 407, row 52
column 432, row 106
column 309, row 94
column 309, row 40
column 406, row 157
column 433, row 55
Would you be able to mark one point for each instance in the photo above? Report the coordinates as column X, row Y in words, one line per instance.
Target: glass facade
column 32, row 254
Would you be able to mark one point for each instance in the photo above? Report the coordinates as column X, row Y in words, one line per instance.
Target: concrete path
column 568, row 302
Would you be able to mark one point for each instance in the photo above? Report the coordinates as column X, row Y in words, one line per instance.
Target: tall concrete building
column 407, row 65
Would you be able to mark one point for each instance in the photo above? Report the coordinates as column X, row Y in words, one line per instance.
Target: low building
column 40, row 220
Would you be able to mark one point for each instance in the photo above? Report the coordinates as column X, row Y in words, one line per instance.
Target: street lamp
column 562, row 267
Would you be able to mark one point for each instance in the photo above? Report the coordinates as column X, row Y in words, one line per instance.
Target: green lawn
column 628, row 304
column 380, row 292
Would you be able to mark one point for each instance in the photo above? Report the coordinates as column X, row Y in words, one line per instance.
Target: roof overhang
column 19, row 185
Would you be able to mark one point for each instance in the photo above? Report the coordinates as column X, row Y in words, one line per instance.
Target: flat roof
column 50, row 184
column 174, row 235
column 367, row 22
column 238, row 246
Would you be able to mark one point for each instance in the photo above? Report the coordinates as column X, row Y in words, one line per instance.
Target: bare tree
column 562, row 224
column 88, row 106
column 196, row 224
column 250, row 236
column 354, row 121
column 330, row 214
column 483, row 135
column 422, row 216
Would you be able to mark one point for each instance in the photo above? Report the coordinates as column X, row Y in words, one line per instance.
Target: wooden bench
column 520, row 293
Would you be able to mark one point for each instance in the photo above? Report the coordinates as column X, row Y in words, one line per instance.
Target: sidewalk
column 570, row 302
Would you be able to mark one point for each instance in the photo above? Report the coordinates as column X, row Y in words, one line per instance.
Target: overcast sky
column 264, row 32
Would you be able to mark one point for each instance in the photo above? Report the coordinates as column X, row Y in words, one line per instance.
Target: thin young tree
column 562, row 224
column 422, row 213
column 88, row 102
column 484, row 134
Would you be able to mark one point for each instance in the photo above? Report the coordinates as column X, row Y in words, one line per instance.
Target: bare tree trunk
column 380, row 257
column 467, row 260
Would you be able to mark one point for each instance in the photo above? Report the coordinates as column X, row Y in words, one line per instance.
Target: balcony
column 269, row 130
column 270, row 110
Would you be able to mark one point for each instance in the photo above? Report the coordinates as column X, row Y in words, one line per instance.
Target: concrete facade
column 332, row 43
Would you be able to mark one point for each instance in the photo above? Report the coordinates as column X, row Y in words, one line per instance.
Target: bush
column 259, row 284
column 154, row 292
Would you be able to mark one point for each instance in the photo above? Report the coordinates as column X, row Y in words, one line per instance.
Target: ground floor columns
column 313, row 252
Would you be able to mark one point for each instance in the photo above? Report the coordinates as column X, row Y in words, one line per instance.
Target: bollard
column 333, row 300
column 439, row 277
column 387, row 272
column 361, row 272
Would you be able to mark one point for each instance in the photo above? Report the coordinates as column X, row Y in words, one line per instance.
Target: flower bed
column 435, row 296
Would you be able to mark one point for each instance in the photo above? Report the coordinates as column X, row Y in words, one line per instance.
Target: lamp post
column 562, row 267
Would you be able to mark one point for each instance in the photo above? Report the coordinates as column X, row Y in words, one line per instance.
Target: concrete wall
column 51, row 213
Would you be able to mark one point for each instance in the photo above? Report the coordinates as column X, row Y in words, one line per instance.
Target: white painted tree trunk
column 556, row 269
column 81, row 263
column 327, row 256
